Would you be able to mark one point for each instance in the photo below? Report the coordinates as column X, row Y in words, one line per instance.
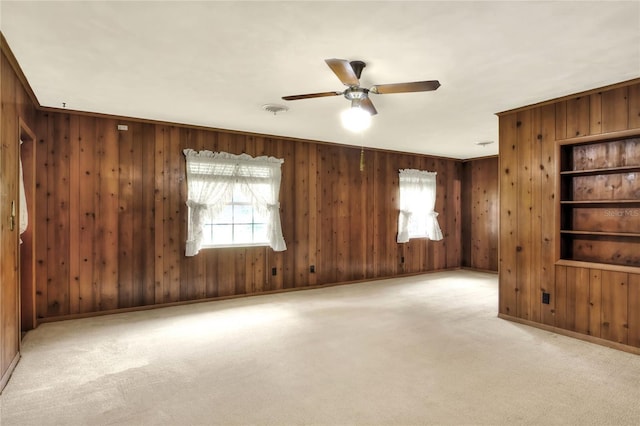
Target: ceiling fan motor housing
column 355, row 92
column 357, row 66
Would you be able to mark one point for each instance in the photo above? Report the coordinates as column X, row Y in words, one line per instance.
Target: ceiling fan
column 349, row 74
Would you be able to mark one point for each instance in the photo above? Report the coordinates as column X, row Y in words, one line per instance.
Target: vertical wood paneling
column 578, row 116
column 598, row 305
column 468, row 204
column 633, row 95
column 106, row 266
column 508, row 214
column 171, row 207
column 74, row 215
column 42, row 242
column 577, row 300
column 544, row 197
column 561, row 120
column 480, row 214
column 595, row 113
column 524, row 253
column 595, row 302
column 537, row 170
column 614, row 306
column 159, row 199
column 286, row 151
column 370, row 227
column 615, row 110
column 127, row 227
column 127, row 193
column 144, row 219
column 340, row 223
column 88, row 151
column 356, row 215
column 300, row 242
column 58, row 217
column 312, row 200
column 634, row 310
column 126, row 200
column 560, row 304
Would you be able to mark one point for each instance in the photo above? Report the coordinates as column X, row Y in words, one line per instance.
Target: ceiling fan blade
column 367, row 105
column 311, row 95
column 418, row 86
column 344, row 71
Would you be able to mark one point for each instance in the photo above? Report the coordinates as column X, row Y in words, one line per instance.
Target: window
column 238, row 223
column 233, row 201
column 417, row 217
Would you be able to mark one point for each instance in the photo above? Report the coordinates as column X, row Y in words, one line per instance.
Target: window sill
column 235, row 245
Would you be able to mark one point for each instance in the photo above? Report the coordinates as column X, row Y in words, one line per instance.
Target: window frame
column 206, row 243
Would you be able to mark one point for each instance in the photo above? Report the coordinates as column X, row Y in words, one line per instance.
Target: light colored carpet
column 417, row 350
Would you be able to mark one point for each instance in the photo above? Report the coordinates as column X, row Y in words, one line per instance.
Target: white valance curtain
column 417, row 218
column 211, row 179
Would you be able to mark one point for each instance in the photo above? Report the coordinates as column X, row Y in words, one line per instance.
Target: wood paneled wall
column 17, row 108
column 111, row 216
column 589, row 301
column 480, row 214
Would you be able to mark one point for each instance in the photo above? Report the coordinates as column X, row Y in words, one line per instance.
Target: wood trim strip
column 230, row 131
column 621, row 134
column 235, row 296
column 7, row 375
column 572, row 96
column 601, row 266
column 575, row 335
column 4, row 46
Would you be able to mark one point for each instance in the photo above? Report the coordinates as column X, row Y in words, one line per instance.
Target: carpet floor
column 426, row 349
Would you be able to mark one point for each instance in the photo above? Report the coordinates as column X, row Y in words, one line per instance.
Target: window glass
column 238, row 224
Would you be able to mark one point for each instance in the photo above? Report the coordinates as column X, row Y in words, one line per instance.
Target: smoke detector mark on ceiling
column 275, row 108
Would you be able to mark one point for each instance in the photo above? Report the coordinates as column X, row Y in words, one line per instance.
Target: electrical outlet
column 312, row 269
column 402, row 259
column 546, row 298
column 274, row 271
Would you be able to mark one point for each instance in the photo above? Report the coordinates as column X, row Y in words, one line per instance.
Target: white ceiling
column 215, row 63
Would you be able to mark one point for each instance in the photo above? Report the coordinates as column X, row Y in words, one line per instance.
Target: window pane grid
column 238, row 224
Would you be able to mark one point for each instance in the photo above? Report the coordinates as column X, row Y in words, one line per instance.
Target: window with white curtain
column 232, row 200
column 417, row 218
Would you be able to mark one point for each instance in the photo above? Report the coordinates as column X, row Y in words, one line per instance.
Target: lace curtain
column 417, row 218
column 211, row 179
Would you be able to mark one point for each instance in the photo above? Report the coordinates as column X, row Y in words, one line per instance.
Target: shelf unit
column 599, row 205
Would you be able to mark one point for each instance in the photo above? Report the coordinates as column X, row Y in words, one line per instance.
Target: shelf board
column 596, row 265
column 605, row 171
column 599, row 202
column 601, row 233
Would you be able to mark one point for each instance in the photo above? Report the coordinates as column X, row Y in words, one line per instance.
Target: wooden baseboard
column 488, row 271
column 569, row 333
column 235, row 296
column 7, row 375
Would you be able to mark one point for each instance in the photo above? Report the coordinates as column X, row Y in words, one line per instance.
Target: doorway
column 27, row 257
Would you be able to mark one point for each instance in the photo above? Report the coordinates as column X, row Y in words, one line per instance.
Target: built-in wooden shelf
column 599, row 202
column 607, row 171
column 600, row 198
column 602, row 233
column 600, row 266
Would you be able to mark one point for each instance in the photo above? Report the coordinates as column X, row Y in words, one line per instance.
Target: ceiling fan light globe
column 355, row 119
